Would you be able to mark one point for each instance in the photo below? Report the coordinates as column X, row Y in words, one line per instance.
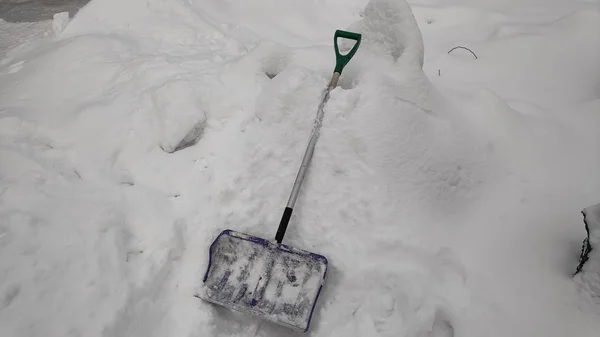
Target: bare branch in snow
column 461, row 47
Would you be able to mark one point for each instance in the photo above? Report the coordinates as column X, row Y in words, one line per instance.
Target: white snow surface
column 445, row 189
column 589, row 277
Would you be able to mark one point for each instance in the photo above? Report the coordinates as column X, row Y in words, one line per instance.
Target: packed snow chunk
column 588, row 270
column 389, row 28
column 274, row 58
column 391, row 46
column 180, row 115
column 60, row 22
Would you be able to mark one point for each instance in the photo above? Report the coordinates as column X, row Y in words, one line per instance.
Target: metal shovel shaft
column 310, row 149
column 308, row 154
column 340, row 63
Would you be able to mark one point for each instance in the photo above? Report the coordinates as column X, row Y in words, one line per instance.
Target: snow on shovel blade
column 267, row 279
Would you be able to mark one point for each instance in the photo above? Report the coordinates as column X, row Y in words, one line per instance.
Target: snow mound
column 146, row 127
column 390, row 29
column 182, row 119
column 127, row 94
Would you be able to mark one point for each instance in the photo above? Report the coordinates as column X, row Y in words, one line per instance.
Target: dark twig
column 461, row 47
column 586, row 248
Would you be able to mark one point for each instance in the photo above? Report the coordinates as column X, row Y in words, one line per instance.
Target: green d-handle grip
column 342, row 60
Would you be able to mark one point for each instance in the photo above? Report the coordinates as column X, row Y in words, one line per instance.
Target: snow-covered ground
column 446, row 188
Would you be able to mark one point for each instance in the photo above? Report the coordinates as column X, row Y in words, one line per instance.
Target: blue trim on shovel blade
column 272, row 245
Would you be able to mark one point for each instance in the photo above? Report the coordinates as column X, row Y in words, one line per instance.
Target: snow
column 19, row 35
column 60, row 22
column 588, row 272
column 445, row 190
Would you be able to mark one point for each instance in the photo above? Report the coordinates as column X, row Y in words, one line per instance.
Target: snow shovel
column 266, row 278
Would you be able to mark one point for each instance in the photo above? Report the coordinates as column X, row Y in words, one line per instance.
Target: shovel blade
column 273, row 281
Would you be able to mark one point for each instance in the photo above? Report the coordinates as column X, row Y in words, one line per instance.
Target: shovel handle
column 340, row 63
column 342, row 60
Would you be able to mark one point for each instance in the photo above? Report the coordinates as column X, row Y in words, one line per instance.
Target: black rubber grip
column 285, row 219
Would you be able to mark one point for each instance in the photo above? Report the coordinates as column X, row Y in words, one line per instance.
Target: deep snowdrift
column 438, row 215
